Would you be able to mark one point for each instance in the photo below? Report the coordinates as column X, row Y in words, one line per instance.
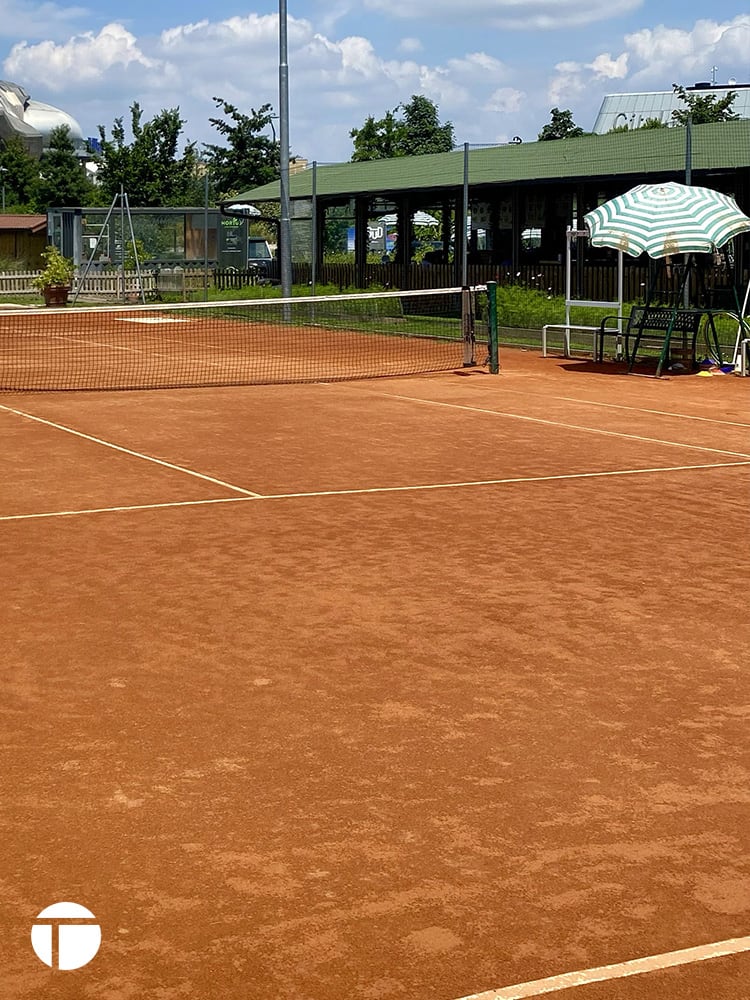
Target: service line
column 373, row 490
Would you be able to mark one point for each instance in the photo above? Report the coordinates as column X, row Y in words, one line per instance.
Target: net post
column 492, row 338
column 467, row 326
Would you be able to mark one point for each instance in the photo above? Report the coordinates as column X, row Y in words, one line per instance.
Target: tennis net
column 261, row 341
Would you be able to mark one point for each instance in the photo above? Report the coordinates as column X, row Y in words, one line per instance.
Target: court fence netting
column 249, row 342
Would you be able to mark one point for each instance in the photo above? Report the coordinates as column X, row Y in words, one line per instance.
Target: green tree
column 62, row 181
column 703, row 109
column 561, row 126
column 150, row 169
column 19, row 172
column 417, row 131
column 250, row 158
column 422, row 131
column 376, row 140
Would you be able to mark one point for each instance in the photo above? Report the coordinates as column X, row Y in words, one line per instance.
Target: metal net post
column 492, row 334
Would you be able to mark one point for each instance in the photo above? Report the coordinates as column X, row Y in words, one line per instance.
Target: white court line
column 69, row 339
column 558, row 423
column 632, row 409
column 125, row 509
column 128, row 451
column 502, row 482
column 372, row 490
column 605, row 973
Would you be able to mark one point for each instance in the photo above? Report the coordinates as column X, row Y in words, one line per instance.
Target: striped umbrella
column 663, row 219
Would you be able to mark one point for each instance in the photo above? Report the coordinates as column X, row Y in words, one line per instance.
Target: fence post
column 492, row 339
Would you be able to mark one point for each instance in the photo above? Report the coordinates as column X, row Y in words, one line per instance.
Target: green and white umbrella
column 664, row 219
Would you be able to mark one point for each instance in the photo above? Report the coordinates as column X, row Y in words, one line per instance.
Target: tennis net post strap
column 467, row 326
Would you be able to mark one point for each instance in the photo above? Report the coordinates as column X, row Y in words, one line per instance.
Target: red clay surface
column 385, row 745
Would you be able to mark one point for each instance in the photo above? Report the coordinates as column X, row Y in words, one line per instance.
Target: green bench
column 672, row 331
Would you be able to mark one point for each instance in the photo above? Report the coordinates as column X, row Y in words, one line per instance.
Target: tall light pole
column 205, row 233
column 285, row 228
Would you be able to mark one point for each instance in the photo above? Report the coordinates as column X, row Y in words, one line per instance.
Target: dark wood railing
column 592, row 281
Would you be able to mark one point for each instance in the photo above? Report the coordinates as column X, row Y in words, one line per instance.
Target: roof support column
column 459, row 236
column 361, row 241
column 742, row 195
column 403, row 243
column 518, row 225
column 580, row 243
column 445, row 228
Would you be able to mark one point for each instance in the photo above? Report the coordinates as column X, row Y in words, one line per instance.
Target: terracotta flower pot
column 56, row 295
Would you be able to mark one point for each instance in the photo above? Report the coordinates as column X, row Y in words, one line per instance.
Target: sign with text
column 233, row 243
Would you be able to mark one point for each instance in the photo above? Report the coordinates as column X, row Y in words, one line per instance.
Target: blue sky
column 495, row 68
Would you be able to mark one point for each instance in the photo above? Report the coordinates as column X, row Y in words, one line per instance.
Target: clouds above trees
column 652, row 57
column 502, row 87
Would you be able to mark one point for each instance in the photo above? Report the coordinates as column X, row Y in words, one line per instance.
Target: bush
column 58, row 270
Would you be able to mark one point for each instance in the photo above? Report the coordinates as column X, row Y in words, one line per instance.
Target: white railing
column 18, row 282
column 109, row 284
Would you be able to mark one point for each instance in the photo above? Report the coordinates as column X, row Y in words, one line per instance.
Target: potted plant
column 55, row 280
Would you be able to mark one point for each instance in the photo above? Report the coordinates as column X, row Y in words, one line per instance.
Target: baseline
column 128, row 451
column 417, row 488
column 620, row 970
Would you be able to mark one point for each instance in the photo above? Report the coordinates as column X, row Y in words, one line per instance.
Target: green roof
column 640, row 152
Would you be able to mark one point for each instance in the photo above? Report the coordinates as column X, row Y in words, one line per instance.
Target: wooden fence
column 592, row 281
column 113, row 284
column 18, row 283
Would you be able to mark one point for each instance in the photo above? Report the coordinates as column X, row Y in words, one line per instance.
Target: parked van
column 259, row 254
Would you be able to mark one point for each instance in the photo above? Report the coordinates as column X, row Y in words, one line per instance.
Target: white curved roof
column 44, row 118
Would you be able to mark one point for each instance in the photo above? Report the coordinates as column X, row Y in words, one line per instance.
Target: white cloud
column 604, row 67
column 568, row 84
column 572, row 79
column 653, row 59
column 358, row 57
column 520, row 14
column 505, row 100
column 78, row 62
column 687, row 54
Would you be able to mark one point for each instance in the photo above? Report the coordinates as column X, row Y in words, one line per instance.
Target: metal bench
column 658, row 324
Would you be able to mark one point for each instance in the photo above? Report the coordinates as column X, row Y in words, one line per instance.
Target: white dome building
column 33, row 121
column 44, row 118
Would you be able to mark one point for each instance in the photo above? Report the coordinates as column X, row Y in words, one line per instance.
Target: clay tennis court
column 433, row 687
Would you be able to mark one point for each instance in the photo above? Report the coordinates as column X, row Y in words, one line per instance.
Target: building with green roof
column 515, row 202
